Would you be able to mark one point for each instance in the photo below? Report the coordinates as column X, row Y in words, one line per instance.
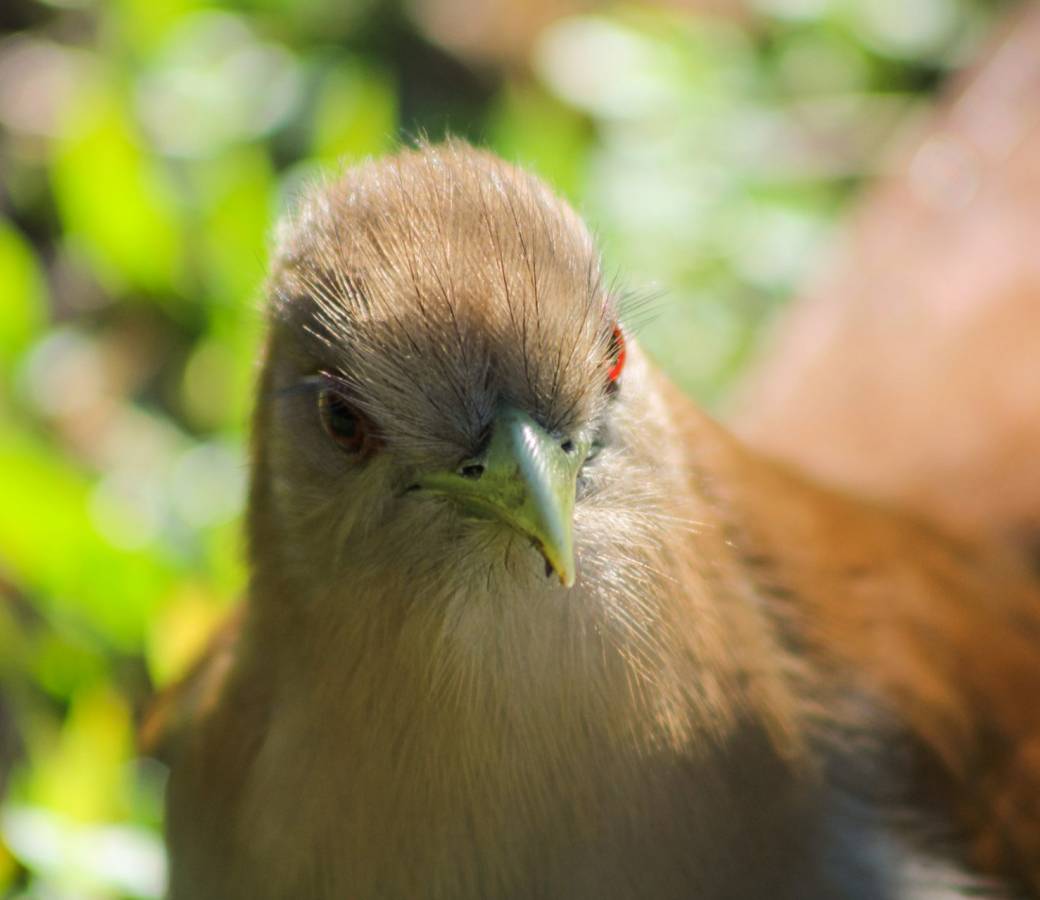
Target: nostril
column 567, row 446
column 473, row 471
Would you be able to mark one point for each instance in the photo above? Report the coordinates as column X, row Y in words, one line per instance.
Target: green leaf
column 50, row 546
column 356, row 114
column 113, row 198
column 23, row 310
column 537, row 131
column 83, row 774
column 236, row 192
column 142, row 25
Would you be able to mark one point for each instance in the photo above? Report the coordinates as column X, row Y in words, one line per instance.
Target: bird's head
column 445, row 400
column 461, row 460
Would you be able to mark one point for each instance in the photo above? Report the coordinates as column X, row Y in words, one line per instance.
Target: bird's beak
column 525, row 478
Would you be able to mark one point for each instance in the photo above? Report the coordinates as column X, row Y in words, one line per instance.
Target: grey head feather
column 441, row 283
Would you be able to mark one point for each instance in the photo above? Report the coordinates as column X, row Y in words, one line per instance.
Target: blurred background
column 147, row 146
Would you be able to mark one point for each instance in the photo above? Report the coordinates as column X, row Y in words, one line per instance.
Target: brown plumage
column 753, row 688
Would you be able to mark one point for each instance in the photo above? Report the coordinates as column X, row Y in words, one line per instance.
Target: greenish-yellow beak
column 526, row 478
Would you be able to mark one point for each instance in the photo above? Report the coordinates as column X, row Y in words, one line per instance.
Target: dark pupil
column 341, row 421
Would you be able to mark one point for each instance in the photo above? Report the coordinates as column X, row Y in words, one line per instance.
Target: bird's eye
column 344, row 424
column 617, row 357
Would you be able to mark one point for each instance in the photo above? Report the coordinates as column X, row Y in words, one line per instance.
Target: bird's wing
column 943, row 630
column 908, row 370
column 908, row 373
column 173, row 709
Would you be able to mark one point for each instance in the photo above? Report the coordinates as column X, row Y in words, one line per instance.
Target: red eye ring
column 617, row 353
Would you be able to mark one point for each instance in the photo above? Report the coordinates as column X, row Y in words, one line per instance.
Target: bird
column 523, row 621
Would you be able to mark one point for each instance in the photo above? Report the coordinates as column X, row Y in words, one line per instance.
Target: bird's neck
column 545, row 750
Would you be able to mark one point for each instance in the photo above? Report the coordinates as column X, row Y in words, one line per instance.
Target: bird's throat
column 511, row 743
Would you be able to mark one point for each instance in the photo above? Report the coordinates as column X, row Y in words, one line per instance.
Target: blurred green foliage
column 146, row 147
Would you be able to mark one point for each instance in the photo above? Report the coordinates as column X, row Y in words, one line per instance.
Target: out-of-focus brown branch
column 910, row 368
